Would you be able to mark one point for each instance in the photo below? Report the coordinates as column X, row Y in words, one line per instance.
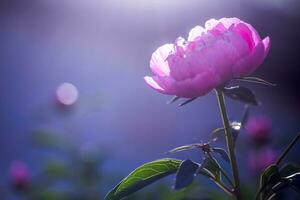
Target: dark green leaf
column 187, row 101
column 288, row 169
column 143, row 176
column 279, row 186
column 294, row 180
column 185, row 147
column 272, row 196
column 216, row 133
column 270, row 175
column 212, row 166
column 222, row 153
column 219, row 132
column 205, row 172
column 112, row 195
column 269, row 178
column 242, row 94
column 256, row 80
column 185, row 174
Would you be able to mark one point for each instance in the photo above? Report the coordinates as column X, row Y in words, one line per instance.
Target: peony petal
column 249, row 64
column 197, row 86
column 158, row 64
column 217, row 57
column 228, row 22
column 245, row 33
column 267, row 43
column 196, row 32
column 211, row 23
column 180, row 46
column 204, row 83
column 152, row 83
column 237, row 42
column 218, row 29
column 165, row 85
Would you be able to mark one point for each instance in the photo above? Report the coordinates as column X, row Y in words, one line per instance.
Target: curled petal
column 152, row 83
column 158, row 63
column 267, row 43
column 165, row 85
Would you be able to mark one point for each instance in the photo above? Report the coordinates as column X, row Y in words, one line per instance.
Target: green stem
column 289, row 147
column 230, row 144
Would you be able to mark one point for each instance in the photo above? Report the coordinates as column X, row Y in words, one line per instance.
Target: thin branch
column 289, row 147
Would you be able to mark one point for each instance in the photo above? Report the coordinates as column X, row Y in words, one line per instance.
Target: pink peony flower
column 260, row 159
column 19, row 175
column 211, row 56
column 259, row 129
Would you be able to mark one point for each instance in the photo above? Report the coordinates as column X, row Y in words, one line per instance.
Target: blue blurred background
column 103, row 48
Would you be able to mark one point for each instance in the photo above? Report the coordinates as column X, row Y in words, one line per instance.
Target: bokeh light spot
column 67, row 94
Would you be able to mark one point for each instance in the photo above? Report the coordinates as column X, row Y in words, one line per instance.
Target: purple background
column 103, row 48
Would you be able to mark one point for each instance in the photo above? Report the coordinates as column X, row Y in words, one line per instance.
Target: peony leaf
column 212, row 166
column 269, row 178
column 185, row 147
column 222, row 153
column 288, row 169
column 294, row 181
column 216, row 133
column 187, row 101
column 273, row 180
column 270, row 175
column 185, row 174
column 241, row 93
column 256, row 80
column 143, row 176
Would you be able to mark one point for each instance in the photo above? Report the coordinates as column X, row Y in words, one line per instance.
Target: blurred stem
column 230, row 143
column 289, row 147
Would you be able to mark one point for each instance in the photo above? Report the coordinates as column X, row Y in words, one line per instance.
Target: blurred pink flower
column 19, row 175
column 259, row 129
column 260, row 159
column 224, row 49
